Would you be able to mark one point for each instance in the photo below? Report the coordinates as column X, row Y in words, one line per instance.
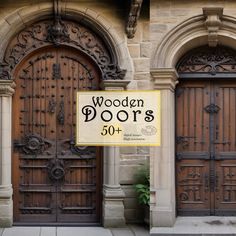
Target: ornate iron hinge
column 56, row 170
column 56, row 71
column 212, row 108
column 32, row 144
column 184, row 140
column 52, row 106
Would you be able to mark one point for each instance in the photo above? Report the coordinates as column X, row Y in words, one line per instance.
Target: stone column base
column 6, row 206
column 163, row 217
column 113, row 206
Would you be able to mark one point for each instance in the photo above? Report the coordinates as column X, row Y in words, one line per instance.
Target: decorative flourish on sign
column 61, row 33
column 212, row 108
column 210, row 60
column 56, row 169
column 32, row 144
column 61, row 114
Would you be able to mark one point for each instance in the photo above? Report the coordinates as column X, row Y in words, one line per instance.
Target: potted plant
column 142, row 187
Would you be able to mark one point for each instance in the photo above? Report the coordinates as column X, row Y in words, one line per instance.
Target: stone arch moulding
column 60, row 33
column 192, row 33
column 119, row 66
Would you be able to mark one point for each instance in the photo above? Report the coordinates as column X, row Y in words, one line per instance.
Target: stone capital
column 7, row 88
column 114, row 84
column 164, row 78
column 113, row 192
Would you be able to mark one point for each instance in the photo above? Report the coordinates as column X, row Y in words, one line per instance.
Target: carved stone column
column 113, row 195
column 6, row 206
column 163, row 158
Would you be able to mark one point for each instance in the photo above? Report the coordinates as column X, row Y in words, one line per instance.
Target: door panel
column 206, row 148
column 54, row 181
column 192, row 148
column 225, row 148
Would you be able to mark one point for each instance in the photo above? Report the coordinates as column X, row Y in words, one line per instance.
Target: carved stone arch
column 58, row 33
column 188, row 35
column 28, row 15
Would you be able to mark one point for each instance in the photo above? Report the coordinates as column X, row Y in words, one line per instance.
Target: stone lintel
column 114, row 84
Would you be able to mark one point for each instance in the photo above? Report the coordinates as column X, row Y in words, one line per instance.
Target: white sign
column 118, row 118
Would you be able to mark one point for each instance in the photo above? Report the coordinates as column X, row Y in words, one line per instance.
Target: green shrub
column 142, row 186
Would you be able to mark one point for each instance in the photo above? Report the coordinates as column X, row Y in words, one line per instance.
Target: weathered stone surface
column 145, row 50
column 141, row 64
column 142, row 76
column 134, row 50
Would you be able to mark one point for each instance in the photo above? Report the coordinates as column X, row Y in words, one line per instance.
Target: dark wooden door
column 54, row 181
column 206, row 147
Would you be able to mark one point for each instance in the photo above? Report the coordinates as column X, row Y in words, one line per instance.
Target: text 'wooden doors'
column 206, row 133
column 54, row 181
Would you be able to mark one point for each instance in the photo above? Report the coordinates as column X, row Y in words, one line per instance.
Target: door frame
column 112, row 193
column 212, row 161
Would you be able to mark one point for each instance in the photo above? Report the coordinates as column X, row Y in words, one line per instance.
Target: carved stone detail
column 213, row 23
column 208, row 60
column 57, row 32
column 7, row 88
column 60, row 33
column 135, row 8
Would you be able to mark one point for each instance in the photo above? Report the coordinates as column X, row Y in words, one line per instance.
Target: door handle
column 61, row 113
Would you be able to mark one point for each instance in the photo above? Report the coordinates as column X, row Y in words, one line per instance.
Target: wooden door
column 206, row 147
column 225, row 148
column 54, row 181
column 192, row 147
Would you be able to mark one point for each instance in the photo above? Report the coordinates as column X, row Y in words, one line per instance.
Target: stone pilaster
column 113, row 195
column 6, row 206
column 163, row 157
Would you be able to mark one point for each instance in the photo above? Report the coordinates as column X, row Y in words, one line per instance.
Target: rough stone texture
column 145, row 50
column 141, row 64
column 134, row 50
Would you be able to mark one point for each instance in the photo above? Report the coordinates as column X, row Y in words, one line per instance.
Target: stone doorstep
column 129, row 230
column 198, row 226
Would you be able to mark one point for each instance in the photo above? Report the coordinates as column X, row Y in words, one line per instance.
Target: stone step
column 198, row 226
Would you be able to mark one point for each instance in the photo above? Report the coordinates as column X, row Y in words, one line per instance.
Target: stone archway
column 194, row 32
column 14, row 53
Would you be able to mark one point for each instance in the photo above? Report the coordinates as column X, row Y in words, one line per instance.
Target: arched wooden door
column 206, row 133
column 54, row 181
